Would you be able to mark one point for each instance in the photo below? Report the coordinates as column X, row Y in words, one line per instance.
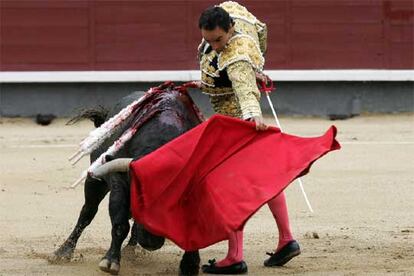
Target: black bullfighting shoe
column 237, row 268
column 284, row 255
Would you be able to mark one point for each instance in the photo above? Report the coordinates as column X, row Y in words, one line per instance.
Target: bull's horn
column 117, row 165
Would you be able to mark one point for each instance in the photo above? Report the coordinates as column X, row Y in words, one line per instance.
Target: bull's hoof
column 187, row 273
column 104, row 265
column 62, row 254
column 110, row 267
column 54, row 259
column 189, row 264
column 114, row 269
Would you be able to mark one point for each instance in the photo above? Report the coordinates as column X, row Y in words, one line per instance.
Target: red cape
column 207, row 182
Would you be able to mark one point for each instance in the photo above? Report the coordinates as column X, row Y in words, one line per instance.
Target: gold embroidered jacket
column 229, row 77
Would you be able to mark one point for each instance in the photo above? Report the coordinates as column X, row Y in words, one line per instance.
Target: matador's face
column 217, row 38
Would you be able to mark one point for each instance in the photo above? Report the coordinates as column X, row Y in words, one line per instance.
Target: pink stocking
column 279, row 210
column 235, row 253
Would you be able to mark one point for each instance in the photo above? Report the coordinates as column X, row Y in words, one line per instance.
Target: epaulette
column 241, row 48
column 238, row 11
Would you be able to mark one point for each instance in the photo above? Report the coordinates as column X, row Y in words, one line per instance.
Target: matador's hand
column 258, row 120
column 261, row 77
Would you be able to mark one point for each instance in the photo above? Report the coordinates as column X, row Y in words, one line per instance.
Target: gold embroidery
column 242, row 99
column 262, row 34
column 247, row 23
column 243, row 79
column 238, row 49
column 205, row 65
column 238, row 11
column 226, row 105
column 214, row 91
column 206, row 79
column 243, row 27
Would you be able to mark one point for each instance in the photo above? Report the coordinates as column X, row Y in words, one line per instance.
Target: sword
column 267, row 89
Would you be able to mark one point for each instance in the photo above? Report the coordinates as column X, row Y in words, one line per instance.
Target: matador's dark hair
column 215, row 17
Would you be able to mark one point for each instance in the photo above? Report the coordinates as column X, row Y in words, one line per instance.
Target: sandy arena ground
column 363, row 196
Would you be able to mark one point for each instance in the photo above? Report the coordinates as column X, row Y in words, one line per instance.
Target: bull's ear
column 109, row 158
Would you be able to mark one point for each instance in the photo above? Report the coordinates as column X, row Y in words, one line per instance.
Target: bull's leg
column 94, row 191
column 133, row 240
column 190, row 263
column 119, row 213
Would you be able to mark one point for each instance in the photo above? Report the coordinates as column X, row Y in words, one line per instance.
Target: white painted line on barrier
column 190, row 75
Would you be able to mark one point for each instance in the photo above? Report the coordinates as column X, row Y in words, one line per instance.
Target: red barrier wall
column 163, row 35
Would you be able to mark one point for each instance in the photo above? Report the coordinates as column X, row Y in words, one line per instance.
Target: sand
column 363, row 197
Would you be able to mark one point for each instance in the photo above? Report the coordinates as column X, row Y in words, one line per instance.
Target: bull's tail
column 97, row 115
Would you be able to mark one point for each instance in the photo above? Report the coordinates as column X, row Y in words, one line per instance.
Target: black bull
column 176, row 116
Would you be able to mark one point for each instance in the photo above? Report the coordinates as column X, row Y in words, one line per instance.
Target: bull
column 174, row 115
